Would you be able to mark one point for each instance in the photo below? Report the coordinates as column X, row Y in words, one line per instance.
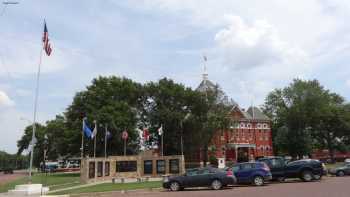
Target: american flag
column 46, row 44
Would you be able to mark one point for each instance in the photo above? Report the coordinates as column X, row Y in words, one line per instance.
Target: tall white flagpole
column 34, row 115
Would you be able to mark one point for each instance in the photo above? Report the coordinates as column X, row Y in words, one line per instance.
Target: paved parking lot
column 328, row 187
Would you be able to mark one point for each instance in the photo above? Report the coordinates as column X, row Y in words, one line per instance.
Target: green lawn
column 105, row 187
column 54, row 181
column 329, row 166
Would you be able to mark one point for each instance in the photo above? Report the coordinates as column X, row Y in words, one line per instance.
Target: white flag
column 160, row 130
column 94, row 132
column 32, row 144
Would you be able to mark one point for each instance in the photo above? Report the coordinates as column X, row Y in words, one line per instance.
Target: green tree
column 167, row 103
column 304, row 114
column 108, row 100
column 333, row 127
column 24, row 142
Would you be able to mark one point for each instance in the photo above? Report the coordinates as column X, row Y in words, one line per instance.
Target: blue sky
column 252, row 47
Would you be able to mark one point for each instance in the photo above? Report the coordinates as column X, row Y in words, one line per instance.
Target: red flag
column 145, row 134
column 125, row 135
column 46, row 44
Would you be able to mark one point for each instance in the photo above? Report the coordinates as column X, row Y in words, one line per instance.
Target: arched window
column 242, row 125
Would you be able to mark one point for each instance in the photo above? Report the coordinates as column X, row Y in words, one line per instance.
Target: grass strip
column 57, row 180
column 106, row 187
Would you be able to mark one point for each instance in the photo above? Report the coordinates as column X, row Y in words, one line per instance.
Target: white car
column 347, row 160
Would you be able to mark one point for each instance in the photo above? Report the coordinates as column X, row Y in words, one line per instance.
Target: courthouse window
column 99, row 168
column 174, row 166
column 126, row 166
column 92, row 170
column 160, row 166
column 147, row 167
column 107, row 168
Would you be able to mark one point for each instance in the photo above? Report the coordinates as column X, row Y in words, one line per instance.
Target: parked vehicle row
column 256, row 173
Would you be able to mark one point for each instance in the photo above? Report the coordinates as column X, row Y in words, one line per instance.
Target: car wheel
column 340, row 173
column 258, row 181
column 281, row 179
column 307, row 176
column 216, row 184
column 317, row 177
column 175, row 186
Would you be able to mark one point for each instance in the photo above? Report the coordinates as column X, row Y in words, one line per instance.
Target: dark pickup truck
column 305, row 169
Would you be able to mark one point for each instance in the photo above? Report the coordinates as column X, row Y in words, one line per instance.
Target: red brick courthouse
column 249, row 138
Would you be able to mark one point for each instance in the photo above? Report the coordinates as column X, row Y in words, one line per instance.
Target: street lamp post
column 182, row 131
column 6, row 3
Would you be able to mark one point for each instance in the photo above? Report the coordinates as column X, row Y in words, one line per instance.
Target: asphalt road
column 328, row 187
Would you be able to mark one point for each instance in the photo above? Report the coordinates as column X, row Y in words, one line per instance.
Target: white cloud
column 348, row 83
column 245, row 46
column 5, row 100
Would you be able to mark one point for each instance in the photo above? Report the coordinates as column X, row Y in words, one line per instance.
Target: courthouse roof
column 256, row 113
column 251, row 113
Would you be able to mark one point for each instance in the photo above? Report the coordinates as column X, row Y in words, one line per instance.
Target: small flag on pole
column 46, row 44
column 145, row 134
column 160, row 130
column 86, row 129
column 125, row 135
column 94, row 132
column 32, row 144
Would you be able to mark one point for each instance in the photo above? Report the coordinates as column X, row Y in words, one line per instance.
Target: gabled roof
column 206, row 85
column 257, row 114
column 250, row 114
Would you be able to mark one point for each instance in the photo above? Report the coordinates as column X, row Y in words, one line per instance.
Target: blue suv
column 256, row 173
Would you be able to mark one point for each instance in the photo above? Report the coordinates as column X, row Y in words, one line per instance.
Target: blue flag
column 87, row 130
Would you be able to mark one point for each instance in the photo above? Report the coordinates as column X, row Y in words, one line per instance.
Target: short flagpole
column 106, row 141
column 124, row 147
column 34, row 115
column 95, row 140
column 181, row 140
column 162, row 145
column 82, row 140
